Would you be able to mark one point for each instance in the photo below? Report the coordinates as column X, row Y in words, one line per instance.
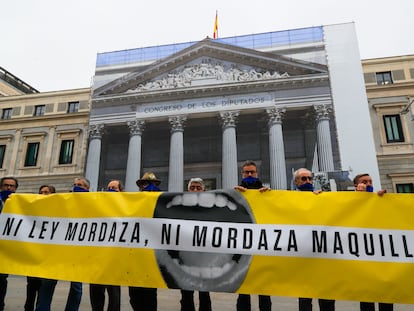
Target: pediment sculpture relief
column 215, row 73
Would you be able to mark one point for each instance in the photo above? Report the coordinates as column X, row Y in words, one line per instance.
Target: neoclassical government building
column 284, row 99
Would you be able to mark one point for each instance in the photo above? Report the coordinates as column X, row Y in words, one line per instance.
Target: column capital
column 96, row 131
column 322, row 112
column 136, row 127
column 177, row 123
column 275, row 115
column 229, row 118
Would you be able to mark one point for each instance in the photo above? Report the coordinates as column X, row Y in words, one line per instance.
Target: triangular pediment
column 209, row 62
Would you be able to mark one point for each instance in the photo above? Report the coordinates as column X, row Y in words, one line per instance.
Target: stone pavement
column 168, row 300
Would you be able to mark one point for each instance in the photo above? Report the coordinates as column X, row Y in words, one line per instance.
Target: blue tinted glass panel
column 254, row 41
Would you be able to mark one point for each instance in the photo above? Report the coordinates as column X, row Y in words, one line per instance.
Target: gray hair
column 197, row 180
column 84, row 180
column 298, row 171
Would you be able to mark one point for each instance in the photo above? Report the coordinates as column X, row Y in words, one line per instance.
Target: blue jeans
column 47, row 290
column 75, row 296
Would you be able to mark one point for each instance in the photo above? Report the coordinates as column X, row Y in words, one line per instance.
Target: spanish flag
column 215, row 32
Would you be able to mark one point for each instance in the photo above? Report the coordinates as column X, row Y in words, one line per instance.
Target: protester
column 34, row 283
column 47, row 288
column 142, row 298
column 363, row 183
column 97, row 291
column 8, row 185
column 187, row 296
column 303, row 180
column 250, row 180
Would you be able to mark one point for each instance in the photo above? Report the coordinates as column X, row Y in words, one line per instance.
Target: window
column 31, row 154
column 2, row 153
column 39, row 110
column 66, row 151
column 393, row 128
column 384, row 78
column 73, row 107
column 7, row 113
column 405, row 188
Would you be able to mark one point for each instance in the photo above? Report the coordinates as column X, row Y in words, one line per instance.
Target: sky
column 52, row 44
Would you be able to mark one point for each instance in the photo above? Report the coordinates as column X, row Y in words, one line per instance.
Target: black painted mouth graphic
column 201, row 270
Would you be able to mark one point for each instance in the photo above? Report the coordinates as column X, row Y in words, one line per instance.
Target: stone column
column 94, row 155
column 176, row 172
column 133, row 169
column 310, row 141
column 229, row 152
column 324, row 138
column 278, row 179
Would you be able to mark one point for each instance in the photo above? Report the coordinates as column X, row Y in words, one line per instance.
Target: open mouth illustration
column 201, row 270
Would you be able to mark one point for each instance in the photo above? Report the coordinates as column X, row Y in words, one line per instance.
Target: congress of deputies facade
column 285, row 99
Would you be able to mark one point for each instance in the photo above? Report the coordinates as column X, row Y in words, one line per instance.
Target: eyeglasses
column 8, row 186
column 249, row 172
column 305, row 178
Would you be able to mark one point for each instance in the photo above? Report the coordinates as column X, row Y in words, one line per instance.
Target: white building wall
column 355, row 137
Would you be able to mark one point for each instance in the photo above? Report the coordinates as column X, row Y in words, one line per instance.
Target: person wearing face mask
column 148, row 182
column 8, row 185
column 187, row 296
column 142, row 298
column 81, row 184
column 47, row 289
column 250, row 180
column 97, row 291
column 363, row 183
column 34, row 284
column 303, row 180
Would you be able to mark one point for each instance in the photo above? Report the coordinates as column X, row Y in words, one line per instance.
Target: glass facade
column 253, row 41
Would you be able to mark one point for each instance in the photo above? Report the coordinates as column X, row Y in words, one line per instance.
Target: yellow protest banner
column 343, row 246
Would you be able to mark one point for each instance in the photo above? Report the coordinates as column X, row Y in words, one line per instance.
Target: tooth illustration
column 232, row 206
column 177, row 200
column 221, row 200
column 189, row 199
column 204, row 271
column 206, row 199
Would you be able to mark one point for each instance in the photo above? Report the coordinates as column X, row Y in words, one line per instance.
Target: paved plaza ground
column 168, row 300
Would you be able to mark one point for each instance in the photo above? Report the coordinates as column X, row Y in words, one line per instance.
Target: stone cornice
column 395, row 87
column 47, row 119
column 212, row 90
